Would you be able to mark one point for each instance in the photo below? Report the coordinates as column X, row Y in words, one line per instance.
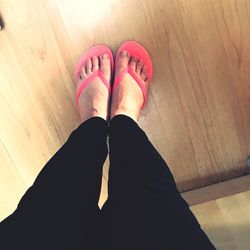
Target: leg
column 60, row 210
column 144, row 209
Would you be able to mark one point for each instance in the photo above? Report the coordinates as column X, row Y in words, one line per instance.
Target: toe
column 144, row 73
column 83, row 72
column 133, row 62
column 123, row 61
column 139, row 66
column 105, row 65
column 95, row 62
column 105, row 59
column 89, row 66
column 124, row 55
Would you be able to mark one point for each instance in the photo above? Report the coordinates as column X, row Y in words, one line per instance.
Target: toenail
column 134, row 59
column 105, row 56
column 124, row 53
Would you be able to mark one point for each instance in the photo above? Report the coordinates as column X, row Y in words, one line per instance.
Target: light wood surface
column 198, row 111
column 217, row 190
column 226, row 221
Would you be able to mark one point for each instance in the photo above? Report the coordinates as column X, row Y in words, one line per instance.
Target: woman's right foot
column 94, row 99
column 127, row 97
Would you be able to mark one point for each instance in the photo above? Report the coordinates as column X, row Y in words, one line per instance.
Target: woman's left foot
column 127, row 97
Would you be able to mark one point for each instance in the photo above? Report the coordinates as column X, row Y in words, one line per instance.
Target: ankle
column 122, row 111
column 93, row 113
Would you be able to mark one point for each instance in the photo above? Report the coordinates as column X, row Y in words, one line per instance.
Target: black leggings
column 144, row 210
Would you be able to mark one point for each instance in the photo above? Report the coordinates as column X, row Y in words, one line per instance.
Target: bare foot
column 127, row 97
column 94, row 99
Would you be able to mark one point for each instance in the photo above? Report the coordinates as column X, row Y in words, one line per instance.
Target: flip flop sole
column 135, row 49
column 96, row 50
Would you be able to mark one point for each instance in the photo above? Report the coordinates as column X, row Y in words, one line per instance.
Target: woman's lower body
column 144, row 209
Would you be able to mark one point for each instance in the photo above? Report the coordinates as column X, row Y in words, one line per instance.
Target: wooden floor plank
column 217, row 190
column 226, row 221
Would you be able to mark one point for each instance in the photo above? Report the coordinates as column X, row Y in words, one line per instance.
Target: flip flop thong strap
column 86, row 82
column 130, row 71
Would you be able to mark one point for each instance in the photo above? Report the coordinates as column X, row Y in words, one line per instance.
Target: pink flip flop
column 97, row 50
column 136, row 50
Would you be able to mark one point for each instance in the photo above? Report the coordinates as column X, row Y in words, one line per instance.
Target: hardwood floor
column 198, row 111
column 226, row 221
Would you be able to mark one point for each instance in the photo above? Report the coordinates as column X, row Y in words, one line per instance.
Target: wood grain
column 217, row 190
column 226, row 221
column 198, row 111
